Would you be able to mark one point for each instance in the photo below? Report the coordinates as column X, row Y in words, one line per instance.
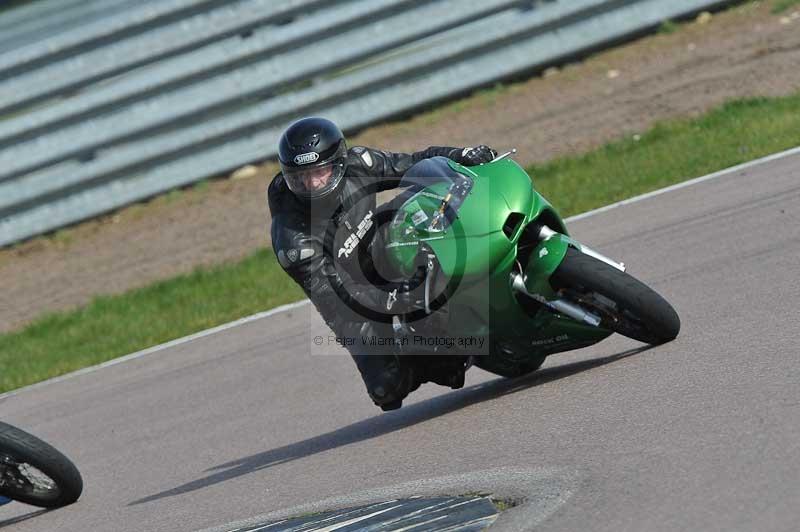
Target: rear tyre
column 626, row 305
column 33, row 472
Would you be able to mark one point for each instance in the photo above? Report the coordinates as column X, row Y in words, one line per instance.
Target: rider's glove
column 477, row 155
column 406, row 295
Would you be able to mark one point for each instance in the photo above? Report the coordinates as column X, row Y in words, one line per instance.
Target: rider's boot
column 443, row 370
column 456, row 380
column 388, row 381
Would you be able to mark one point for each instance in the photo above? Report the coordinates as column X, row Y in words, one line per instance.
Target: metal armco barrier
column 153, row 95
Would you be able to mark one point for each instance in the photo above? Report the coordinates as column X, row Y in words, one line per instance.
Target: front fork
column 534, row 282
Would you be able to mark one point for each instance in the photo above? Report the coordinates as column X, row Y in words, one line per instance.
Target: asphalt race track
column 699, row 434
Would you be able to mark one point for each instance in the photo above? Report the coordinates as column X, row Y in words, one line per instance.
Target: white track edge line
column 291, row 306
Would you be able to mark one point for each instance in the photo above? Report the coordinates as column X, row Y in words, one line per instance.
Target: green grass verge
column 784, row 5
column 667, row 27
column 671, row 152
column 113, row 326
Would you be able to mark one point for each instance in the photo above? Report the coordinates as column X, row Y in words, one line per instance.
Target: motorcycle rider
column 324, row 217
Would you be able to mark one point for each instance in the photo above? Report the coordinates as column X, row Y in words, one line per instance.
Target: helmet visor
column 316, row 180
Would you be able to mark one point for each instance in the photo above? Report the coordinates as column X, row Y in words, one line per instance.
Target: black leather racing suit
column 320, row 246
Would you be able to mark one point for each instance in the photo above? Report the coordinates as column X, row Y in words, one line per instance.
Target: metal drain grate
column 462, row 514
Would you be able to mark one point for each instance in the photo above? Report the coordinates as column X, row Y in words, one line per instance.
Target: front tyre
column 627, row 306
column 33, row 472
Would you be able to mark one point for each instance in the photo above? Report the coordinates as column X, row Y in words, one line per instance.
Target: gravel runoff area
column 745, row 51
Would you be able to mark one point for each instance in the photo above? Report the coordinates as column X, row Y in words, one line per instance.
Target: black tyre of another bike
column 24, row 448
column 640, row 313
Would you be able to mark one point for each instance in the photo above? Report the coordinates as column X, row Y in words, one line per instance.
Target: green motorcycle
column 501, row 267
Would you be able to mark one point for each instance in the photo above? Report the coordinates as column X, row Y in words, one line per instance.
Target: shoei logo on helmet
column 306, row 158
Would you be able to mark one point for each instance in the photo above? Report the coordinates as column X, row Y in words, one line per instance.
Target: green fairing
column 475, row 254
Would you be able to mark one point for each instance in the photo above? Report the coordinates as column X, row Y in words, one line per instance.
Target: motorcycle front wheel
column 626, row 305
column 33, row 472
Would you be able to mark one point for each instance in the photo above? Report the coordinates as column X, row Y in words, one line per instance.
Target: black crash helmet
column 313, row 157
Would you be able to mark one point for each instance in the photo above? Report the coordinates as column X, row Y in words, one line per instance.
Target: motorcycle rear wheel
column 33, row 472
column 627, row 306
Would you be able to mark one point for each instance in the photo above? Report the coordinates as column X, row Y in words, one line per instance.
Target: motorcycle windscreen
column 432, row 180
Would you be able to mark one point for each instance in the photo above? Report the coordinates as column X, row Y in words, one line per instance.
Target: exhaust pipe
column 560, row 306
